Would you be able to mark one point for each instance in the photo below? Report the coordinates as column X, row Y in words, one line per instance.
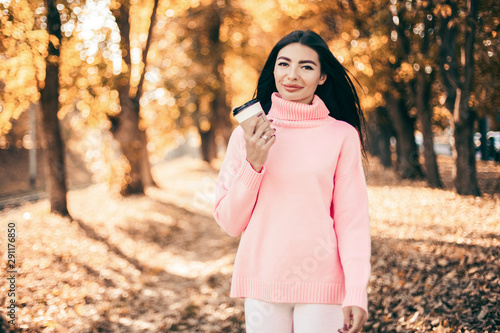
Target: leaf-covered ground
column 160, row 263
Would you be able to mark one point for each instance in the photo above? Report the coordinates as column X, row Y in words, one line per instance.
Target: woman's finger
column 269, row 142
column 267, row 134
column 347, row 318
column 261, row 128
column 359, row 318
column 357, row 325
column 252, row 126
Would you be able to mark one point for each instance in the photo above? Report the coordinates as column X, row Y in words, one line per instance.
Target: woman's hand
column 358, row 316
column 259, row 139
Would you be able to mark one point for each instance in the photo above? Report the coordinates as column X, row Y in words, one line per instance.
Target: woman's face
column 297, row 73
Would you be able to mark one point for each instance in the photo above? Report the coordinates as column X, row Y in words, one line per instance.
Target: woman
column 297, row 193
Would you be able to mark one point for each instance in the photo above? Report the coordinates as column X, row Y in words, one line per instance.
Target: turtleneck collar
column 293, row 114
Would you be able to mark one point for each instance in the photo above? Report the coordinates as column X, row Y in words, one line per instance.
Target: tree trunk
column 424, row 114
column 33, row 136
column 408, row 163
column 385, row 131
column 483, row 130
column 145, row 165
column 132, row 140
column 466, row 158
column 384, row 146
column 208, row 147
column 422, row 93
column 221, row 123
column 49, row 98
column 458, row 87
column 373, row 135
column 204, row 126
column 126, row 132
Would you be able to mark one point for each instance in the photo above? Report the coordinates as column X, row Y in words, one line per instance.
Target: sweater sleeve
column 237, row 187
column 351, row 221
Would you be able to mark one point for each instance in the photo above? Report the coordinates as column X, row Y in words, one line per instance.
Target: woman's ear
column 322, row 79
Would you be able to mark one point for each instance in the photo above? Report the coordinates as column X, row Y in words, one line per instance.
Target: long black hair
column 338, row 92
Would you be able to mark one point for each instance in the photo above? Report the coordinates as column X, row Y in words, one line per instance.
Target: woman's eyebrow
column 300, row 62
column 307, row 62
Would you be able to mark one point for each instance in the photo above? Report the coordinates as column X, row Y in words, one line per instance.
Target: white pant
column 266, row 317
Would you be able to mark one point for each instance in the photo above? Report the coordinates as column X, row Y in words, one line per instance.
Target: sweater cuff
column 250, row 177
column 356, row 296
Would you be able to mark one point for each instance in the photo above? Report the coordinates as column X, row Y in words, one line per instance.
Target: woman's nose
column 292, row 73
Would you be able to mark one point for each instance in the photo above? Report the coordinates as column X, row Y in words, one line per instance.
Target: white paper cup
column 245, row 113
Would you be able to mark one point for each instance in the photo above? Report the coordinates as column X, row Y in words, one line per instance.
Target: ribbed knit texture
column 304, row 217
column 292, row 114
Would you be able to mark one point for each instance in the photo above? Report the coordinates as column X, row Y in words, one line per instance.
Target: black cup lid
column 244, row 106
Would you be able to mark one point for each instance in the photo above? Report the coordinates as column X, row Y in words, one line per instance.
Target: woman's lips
column 291, row 87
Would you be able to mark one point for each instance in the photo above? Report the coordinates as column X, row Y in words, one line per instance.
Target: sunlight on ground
column 433, row 215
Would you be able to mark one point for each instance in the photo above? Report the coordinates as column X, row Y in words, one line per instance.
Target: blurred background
column 124, row 94
column 123, row 88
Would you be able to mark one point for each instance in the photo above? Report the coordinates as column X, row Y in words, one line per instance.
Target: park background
column 114, row 117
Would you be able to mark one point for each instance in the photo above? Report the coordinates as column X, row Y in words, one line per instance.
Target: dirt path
column 151, row 263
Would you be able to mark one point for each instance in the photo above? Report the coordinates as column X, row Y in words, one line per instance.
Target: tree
column 456, row 63
column 408, row 165
column 363, row 28
column 208, row 51
column 485, row 98
column 386, row 131
column 125, row 125
column 211, row 38
column 420, row 27
column 49, row 97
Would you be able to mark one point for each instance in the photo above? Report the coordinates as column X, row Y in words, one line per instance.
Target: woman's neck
column 293, row 114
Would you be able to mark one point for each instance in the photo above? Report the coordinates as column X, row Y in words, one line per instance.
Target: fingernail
column 271, row 120
column 260, row 114
column 345, row 327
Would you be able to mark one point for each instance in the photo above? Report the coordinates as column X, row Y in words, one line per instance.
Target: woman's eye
column 308, row 68
column 282, row 64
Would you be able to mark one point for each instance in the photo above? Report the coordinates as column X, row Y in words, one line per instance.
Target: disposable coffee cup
column 245, row 113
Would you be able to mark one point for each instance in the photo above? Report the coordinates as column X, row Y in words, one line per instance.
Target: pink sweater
column 304, row 217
